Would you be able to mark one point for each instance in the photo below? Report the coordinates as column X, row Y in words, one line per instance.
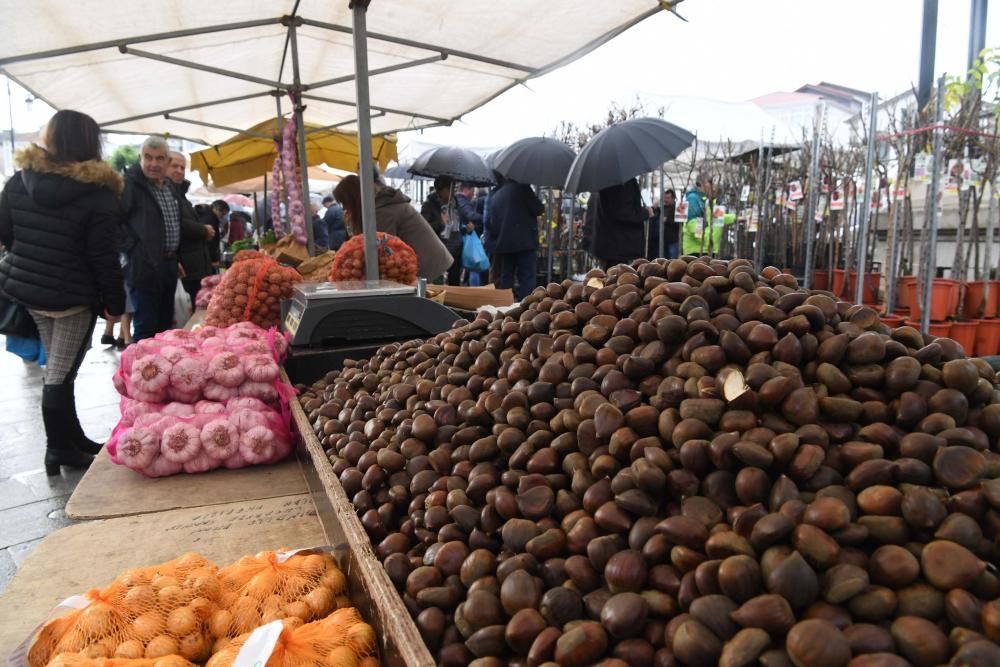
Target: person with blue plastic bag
column 474, row 258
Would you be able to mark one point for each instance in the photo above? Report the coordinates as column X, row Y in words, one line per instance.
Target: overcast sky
column 731, row 50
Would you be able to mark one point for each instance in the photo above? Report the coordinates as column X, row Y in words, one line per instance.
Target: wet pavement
column 31, row 503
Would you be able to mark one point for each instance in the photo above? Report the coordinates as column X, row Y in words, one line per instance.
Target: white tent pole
column 203, row 68
column 866, row 210
column 365, row 174
column 381, row 70
column 814, row 191
column 301, row 134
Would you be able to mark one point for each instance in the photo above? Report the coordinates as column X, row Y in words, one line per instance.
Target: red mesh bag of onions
column 209, row 363
column 396, row 260
column 161, row 440
column 251, row 291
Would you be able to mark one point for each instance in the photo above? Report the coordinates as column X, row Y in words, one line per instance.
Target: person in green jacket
column 694, row 240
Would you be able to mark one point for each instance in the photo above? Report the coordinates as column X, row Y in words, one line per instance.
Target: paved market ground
column 31, row 503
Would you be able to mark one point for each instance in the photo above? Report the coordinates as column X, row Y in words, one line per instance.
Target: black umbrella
column 401, row 172
column 542, row 161
column 459, row 163
column 625, row 150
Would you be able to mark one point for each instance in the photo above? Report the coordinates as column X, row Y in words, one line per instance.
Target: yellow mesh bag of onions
column 148, row 612
column 341, row 639
column 275, row 585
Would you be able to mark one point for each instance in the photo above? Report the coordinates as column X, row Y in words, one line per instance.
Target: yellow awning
column 246, row 156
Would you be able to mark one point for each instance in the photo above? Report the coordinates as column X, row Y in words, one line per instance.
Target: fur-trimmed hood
column 47, row 179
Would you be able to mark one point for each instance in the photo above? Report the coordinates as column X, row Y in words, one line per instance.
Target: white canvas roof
column 148, row 58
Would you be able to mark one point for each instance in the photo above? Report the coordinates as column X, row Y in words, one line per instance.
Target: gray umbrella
column 459, row 163
column 625, row 150
column 401, row 172
column 542, row 161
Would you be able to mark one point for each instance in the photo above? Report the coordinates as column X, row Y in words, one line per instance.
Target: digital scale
column 331, row 322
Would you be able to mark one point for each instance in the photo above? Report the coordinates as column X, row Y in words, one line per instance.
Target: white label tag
column 19, row 656
column 259, row 646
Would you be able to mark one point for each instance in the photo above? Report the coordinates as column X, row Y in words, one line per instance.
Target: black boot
column 73, row 427
column 60, row 449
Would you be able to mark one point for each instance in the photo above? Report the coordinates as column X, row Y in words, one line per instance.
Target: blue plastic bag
column 474, row 256
column 29, row 349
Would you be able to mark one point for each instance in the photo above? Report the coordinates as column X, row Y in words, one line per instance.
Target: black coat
column 616, row 216
column 335, row 227
column 514, row 211
column 60, row 222
column 142, row 241
column 433, row 212
column 194, row 254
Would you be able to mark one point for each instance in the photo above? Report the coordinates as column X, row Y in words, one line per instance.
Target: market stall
column 159, row 437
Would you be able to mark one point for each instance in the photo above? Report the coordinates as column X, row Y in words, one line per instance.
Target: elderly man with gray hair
column 155, row 222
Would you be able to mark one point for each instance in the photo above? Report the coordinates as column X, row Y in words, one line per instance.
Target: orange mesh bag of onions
column 147, row 612
column 342, row 639
column 251, row 291
column 396, row 260
column 244, row 255
column 272, row 586
column 80, row 660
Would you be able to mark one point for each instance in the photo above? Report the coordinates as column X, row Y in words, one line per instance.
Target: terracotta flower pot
column 944, row 300
column 838, row 284
column 935, row 328
column 988, row 338
column 821, row 279
column 870, row 296
column 975, row 304
column 892, row 321
column 907, row 286
column 965, row 334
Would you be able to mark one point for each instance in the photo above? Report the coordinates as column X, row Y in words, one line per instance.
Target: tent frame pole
column 204, row 68
column 201, row 123
column 155, row 37
column 382, row 70
column 401, row 112
column 188, row 107
column 930, row 269
column 814, row 190
column 866, row 211
column 301, row 136
column 359, row 9
column 421, row 45
column 314, row 130
column 661, row 219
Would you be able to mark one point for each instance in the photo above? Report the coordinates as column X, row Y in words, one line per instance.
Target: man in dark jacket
column 155, row 223
column 336, row 230
column 513, row 230
column 194, row 255
column 671, row 230
column 435, row 211
column 616, row 219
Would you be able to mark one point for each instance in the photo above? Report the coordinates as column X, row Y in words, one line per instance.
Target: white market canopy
column 203, row 70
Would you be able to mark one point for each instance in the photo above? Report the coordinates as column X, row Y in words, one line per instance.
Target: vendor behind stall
column 395, row 215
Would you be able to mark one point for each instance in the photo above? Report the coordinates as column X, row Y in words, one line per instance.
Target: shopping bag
column 29, row 349
column 473, row 254
column 183, row 310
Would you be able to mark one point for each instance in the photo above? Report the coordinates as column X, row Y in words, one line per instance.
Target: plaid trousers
column 66, row 340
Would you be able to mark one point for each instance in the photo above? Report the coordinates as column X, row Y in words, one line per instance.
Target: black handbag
column 15, row 320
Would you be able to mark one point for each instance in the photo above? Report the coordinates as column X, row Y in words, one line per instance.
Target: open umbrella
column 238, row 200
column 459, row 163
column 625, row 150
column 542, row 161
column 401, row 172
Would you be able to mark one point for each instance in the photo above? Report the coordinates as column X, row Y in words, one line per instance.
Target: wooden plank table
column 108, row 490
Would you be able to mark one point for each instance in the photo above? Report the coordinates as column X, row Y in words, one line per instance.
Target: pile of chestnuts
column 683, row 462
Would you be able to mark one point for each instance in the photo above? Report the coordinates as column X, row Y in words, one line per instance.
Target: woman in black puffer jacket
column 60, row 220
